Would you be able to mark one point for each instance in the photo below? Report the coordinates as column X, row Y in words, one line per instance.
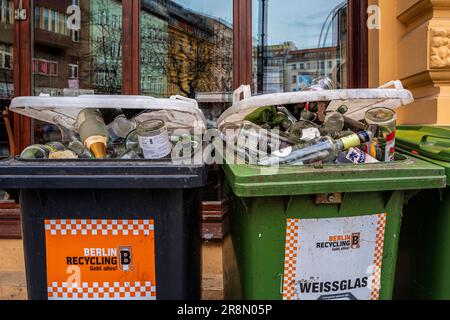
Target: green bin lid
column 429, row 141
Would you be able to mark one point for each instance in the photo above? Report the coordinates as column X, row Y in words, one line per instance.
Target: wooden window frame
column 242, row 54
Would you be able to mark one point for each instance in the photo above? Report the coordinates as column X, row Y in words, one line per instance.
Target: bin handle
column 397, row 84
column 244, row 90
column 433, row 150
column 181, row 98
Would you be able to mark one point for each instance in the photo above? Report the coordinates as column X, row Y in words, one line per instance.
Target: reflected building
column 102, row 36
column 154, row 33
column 303, row 66
column 6, row 52
column 186, row 51
column 58, row 51
column 275, row 67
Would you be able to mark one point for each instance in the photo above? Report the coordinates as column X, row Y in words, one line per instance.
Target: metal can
column 386, row 120
column 154, row 139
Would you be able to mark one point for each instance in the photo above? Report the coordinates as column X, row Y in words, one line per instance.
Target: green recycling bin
column 319, row 232
column 424, row 261
column 316, row 232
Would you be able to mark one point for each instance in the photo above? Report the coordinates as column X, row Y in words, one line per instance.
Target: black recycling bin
column 109, row 229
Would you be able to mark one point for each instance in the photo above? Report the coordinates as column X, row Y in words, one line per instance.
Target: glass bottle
column 324, row 149
column 121, row 127
column 93, row 132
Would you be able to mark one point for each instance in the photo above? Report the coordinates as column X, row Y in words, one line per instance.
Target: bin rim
column 357, row 100
column 45, row 108
column 409, row 173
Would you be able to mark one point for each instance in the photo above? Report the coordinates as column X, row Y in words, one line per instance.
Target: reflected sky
column 299, row 21
column 217, row 8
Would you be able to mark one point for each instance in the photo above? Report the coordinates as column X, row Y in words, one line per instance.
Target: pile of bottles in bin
column 122, row 138
column 307, row 133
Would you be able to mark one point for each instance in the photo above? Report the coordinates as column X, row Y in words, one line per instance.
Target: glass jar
column 154, row 139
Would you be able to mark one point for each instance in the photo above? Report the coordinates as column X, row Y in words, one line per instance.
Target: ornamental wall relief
column 440, row 48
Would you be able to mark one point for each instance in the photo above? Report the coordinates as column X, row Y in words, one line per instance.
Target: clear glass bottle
column 334, row 123
column 35, row 152
column 324, row 149
column 93, row 132
column 121, row 127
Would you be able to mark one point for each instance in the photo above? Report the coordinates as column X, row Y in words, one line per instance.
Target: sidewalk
column 13, row 281
column 12, row 271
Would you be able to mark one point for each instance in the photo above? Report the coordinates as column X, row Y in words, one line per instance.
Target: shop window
column 281, row 42
column 190, row 50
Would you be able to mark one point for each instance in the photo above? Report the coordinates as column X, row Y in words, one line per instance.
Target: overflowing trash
column 122, row 139
column 321, row 129
column 165, row 129
column 320, row 125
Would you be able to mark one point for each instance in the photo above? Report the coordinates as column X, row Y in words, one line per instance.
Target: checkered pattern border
column 95, row 227
column 290, row 260
column 102, row 291
column 378, row 257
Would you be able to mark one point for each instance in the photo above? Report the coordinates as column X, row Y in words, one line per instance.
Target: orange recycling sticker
column 100, row 259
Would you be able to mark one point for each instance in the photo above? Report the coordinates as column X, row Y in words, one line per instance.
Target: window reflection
column 6, row 51
column 295, row 42
column 69, row 61
column 186, row 49
column 6, row 77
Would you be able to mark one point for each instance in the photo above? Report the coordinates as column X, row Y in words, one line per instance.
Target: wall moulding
column 437, row 77
column 408, row 15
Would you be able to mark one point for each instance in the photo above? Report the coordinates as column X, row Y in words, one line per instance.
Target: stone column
column 413, row 45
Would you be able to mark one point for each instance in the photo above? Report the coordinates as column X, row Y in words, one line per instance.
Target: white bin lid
column 358, row 101
column 178, row 112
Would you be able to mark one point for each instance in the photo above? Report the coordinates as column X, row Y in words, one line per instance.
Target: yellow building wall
column 413, row 45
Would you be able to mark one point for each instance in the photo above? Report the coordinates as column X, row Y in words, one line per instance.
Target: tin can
column 153, row 139
column 386, row 120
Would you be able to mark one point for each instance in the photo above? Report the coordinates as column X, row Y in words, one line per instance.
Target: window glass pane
column 6, row 56
column 68, row 61
column 6, row 76
column 298, row 32
column 186, row 49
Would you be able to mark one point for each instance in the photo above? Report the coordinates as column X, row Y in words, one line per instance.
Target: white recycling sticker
column 334, row 259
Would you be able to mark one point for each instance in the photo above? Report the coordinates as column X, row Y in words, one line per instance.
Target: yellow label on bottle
column 350, row 141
